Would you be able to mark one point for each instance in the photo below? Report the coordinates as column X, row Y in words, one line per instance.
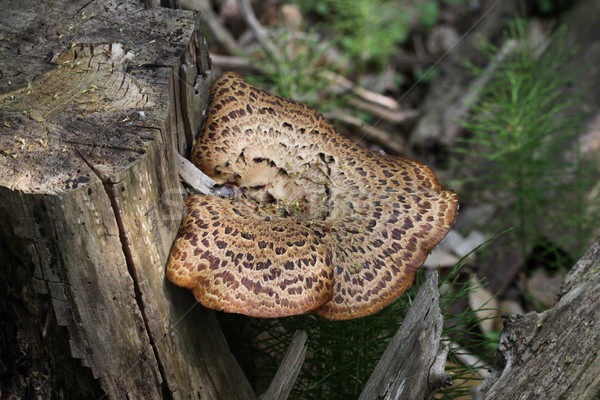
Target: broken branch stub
column 319, row 223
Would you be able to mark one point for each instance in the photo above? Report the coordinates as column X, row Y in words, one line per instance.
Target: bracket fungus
column 317, row 224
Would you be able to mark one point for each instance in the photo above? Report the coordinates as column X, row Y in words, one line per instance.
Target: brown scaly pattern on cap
column 379, row 217
column 242, row 262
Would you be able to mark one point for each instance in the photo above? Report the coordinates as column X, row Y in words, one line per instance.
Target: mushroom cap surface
column 372, row 219
column 242, row 262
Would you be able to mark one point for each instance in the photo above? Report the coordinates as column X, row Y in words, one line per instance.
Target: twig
column 373, row 97
column 381, row 106
column 233, row 62
column 476, row 87
column 386, row 114
column 259, row 31
column 193, row 176
column 474, row 91
column 222, row 35
column 288, row 370
column 391, row 143
column 468, row 359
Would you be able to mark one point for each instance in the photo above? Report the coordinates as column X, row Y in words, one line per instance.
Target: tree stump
column 96, row 98
column 553, row 354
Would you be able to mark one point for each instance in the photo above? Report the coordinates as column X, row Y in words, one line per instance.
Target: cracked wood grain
column 90, row 199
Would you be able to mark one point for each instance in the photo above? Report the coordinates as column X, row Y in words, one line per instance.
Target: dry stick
column 222, row 35
column 384, row 107
column 227, row 63
column 191, row 175
column 259, row 31
column 386, row 114
column 388, row 142
column 475, row 363
column 373, row 103
column 288, row 370
column 387, row 103
column 475, row 89
column 379, row 105
column 372, row 97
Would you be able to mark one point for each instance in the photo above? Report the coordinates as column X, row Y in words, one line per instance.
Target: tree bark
column 412, row 366
column 96, row 98
column 553, row 354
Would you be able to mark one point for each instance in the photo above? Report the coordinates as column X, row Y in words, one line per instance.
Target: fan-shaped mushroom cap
column 239, row 261
column 378, row 217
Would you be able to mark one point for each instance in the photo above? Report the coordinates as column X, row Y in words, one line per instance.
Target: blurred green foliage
column 522, row 154
column 370, row 31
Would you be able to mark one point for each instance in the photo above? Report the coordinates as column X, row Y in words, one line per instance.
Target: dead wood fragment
column 554, row 352
column 288, row 370
column 191, row 175
column 221, row 34
column 388, row 142
column 412, row 366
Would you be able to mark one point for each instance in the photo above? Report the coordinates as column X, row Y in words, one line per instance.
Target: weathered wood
column 412, row 366
column 288, row 370
column 553, row 354
column 191, row 175
column 95, row 99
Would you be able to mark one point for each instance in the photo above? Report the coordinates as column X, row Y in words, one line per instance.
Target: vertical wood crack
column 110, row 192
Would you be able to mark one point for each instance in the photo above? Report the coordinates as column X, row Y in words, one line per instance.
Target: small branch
column 383, row 107
column 227, row 63
column 222, row 35
column 386, row 114
column 390, row 143
column 286, row 375
column 468, row 359
column 348, row 85
column 259, row 31
column 193, row 176
column 476, row 87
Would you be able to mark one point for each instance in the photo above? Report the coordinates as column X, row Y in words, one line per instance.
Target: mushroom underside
column 318, row 223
